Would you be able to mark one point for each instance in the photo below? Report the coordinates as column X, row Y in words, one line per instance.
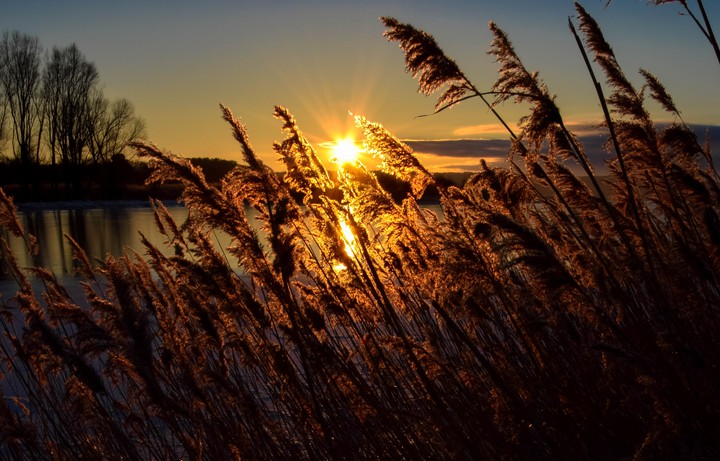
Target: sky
column 176, row 61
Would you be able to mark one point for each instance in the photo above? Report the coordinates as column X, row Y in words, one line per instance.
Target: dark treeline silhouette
column 123, row 179
column 116, row 178
column 57, row 129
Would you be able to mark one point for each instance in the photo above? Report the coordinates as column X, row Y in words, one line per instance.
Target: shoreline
column 90, row 204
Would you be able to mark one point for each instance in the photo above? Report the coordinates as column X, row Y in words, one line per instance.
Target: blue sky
column 177, row 60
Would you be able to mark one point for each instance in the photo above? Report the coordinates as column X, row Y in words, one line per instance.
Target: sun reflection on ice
column 349, row 238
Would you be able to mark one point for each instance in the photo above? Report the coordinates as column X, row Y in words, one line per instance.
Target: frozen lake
column 100, row 230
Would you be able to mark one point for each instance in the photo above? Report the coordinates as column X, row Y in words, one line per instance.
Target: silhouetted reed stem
column 619, row 155
column 705, row 27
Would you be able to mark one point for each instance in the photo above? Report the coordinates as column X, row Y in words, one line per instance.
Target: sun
column 344, row 151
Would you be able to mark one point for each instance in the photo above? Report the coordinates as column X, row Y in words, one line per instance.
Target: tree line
column 59, row 134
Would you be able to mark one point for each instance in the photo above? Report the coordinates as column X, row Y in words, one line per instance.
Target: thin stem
column 707, row 29
column 616, row 145
column 481, row 95
column 477, row 94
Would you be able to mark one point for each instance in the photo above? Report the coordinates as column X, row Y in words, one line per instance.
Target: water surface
column 101, row 231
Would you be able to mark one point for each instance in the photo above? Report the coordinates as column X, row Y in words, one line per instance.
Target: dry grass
column 562, row 324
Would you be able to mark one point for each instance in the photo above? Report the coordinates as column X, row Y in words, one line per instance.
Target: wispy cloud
column 586, row 128
column 488, row 129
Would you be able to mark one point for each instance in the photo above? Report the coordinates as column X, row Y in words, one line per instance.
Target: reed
column 539, row 318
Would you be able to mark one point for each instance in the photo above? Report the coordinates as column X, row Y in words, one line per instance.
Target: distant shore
column 89, row 204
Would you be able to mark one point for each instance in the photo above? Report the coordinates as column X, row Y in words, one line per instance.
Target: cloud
column 465, row 154
column 453, row 167
column 596, row 148
column 584, row 128
column 474, row 148
column 579, row 127
column 483, row 130
column 459, row 154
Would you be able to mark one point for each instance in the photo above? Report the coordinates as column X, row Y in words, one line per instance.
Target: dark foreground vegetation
column 527, row 323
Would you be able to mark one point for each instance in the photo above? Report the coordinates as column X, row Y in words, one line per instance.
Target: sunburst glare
column 344, row 151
